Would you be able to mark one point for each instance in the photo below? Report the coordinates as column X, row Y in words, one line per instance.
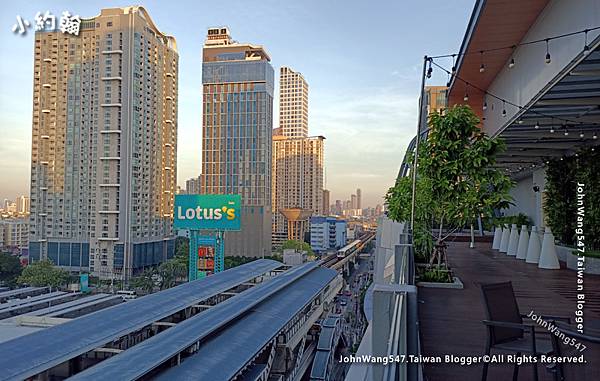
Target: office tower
column 238, row 82
column 326, row 202
column 358, row 199
column 103, row 162
column 193, row 185
column 23, row 205
column 353, row 202
column 297, row 181
column 293, row 104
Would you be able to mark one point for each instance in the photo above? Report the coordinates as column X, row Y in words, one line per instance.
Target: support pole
column 416, row 157
column 193, row 256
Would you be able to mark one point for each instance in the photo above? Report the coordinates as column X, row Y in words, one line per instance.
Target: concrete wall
column 526, row 200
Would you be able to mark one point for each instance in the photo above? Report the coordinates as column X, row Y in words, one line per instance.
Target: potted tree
column 457, row 182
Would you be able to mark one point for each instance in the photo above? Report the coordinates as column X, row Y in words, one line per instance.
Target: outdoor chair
column 506, row 331
column 567, row 346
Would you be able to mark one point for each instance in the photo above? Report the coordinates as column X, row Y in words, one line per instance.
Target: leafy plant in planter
column 457, row 181
column 436, row 275
column 519, row 219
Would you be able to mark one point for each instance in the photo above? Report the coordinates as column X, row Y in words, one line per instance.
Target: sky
column 362, row 60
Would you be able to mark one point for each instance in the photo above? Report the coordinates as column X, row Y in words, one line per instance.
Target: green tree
column 297, row 245
column 10, row 268
column 145, row 281
column 457, row 179
column 170, row 271
column 43, row 273
column 182, row 246
column 234, row 261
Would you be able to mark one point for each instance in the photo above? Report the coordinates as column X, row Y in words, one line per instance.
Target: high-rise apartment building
column 193, row 185
column 358, row 199
column 238, row 82
column 293, row 104
column 14, row 234
column 436, row 98
column 103, row 161
column 297, row 179
column 297, row 160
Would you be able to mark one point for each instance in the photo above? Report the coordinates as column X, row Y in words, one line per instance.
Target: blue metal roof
column 223, row 355
column 21, row 291
column 59, row 307
column 18, row 302
column 31, row 354
column 96, row 304
column 37, row 304
column 149, row 354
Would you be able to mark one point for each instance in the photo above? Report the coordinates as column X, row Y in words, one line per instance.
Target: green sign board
column 207, row 212
column 84, row 280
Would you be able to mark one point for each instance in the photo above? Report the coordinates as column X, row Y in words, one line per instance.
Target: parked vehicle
column 127, row 295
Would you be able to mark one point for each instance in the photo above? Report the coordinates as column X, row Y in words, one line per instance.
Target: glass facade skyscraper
column 238, row 82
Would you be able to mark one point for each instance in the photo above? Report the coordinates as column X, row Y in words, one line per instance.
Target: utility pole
column 418, row 138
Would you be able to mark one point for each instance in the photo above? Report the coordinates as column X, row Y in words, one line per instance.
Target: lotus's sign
column 207, row 212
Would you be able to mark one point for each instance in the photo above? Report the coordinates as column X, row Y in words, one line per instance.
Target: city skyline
column 349, row 99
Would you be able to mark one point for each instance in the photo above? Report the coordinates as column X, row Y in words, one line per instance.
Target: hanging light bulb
column 429, row 69
column 566, row 132
column 453, row 64
column 511, row 64
column 482, row 66
column 581, row 134
column 552, row 129
column 484, row 104
column 520, row 121
column 466, row 97
column 595, row 136
column 537, row 125
column 548, row 59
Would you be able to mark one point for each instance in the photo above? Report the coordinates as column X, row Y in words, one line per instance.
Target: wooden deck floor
column 450, row 319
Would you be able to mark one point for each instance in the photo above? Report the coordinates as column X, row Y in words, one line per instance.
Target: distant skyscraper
column 104, row 156
column 23, row 204
column 339, row 207
column 326, row 210
column 297, row 159
column 193, row 185
column 358, row 199
column 293, row 104
column 353, row 202
column 237, row 124
column 297, row 178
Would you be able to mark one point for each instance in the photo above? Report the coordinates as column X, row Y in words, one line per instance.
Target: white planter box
column 591, row 264
column 456, row 284
column 562, row 252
